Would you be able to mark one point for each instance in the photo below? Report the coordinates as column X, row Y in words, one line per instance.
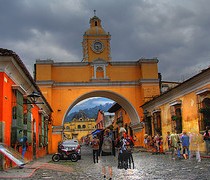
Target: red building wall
column 6, row 105
column 6, row 101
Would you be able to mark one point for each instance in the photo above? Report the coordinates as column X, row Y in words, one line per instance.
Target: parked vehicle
column 71, row 144
column 65, row 154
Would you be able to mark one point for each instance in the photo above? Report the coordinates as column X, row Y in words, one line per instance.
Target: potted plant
column 205, row 110
column 176, row 118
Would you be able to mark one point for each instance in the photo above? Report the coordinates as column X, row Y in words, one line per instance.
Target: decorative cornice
column 98, row 61
column 117, row 83
column 141, row 81
column 82, row 63
column 47, row 61
column 19, row 88
column 98, row 82
column 173, row 103
column 203, row 91
column 143, row 60
column 124, row 63
column 137, row 127
column 113, row 63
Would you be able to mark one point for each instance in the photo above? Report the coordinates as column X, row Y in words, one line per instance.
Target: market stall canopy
column 97, row 131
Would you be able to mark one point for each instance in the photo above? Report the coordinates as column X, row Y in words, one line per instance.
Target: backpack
column 206, row 136
column 107, row 144
column 95, row 143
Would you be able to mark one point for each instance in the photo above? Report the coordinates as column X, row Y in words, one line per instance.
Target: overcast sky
column 177, row 32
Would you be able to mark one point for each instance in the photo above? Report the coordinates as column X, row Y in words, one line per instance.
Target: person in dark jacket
column 23, row 141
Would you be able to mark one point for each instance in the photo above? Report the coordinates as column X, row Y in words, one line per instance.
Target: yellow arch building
column 64, row 84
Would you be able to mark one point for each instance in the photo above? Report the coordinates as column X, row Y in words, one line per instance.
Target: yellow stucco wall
column 85, row 73
column 189, row 111
column 71, row 129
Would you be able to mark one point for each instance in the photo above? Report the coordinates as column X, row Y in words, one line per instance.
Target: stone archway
column 127, row 106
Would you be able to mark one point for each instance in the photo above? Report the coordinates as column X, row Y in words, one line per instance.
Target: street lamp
column 34, row 96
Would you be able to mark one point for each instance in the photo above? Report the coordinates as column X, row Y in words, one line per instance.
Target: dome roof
column 95, row 30
column 95, row 27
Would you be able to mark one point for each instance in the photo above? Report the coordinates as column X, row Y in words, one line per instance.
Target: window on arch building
column 176, row 116
column 204, row 111
column 203, row 97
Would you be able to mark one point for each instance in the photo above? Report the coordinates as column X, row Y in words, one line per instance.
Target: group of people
column 154, row 143
column 189, row 143
column 105, row 145
column 184, row 144
column 178, row 144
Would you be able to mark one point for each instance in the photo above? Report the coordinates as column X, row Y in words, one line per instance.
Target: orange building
column 129, row 83
column 19, row 112
column 184, row 107
column 122, row 119
column 100, row 124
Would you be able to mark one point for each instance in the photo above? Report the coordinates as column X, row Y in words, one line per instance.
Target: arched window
column 205, row 113
column 79, row 126
column 157, row 123
column 176, row 116
column 83, row 126
column 99, row 73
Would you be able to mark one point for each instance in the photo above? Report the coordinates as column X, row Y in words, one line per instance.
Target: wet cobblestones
column 147, row 167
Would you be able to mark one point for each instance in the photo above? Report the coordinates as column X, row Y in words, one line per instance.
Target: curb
column 26, row 176
column 167, row 152
column 31, row 169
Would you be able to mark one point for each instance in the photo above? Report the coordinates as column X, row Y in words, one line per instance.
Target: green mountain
column 88, row 112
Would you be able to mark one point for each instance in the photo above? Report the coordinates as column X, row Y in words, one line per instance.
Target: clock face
column 97, row 46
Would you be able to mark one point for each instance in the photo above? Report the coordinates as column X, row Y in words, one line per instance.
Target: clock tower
column 96, row 42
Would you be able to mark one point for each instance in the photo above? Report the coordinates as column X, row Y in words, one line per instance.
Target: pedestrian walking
column 185, row 140
column 175, row 145
column 161, row 146
column 146, row 141
column 157, row 144
column 106, row 150
column 196, row 140
column 124, row 144
column 206, row 138
column 95, row 146
column 168, row 139
column 23, row 141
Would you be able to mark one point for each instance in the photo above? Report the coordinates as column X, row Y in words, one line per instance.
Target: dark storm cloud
column 176, row 32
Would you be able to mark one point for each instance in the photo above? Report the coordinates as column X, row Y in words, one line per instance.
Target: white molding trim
column 19, row 88
column 202, row 91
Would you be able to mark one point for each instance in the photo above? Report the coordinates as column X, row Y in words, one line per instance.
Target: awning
column 96, row 131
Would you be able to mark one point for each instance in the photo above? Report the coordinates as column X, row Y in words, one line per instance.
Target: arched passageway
column 126, row 105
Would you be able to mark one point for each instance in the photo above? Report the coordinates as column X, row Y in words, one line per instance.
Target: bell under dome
column 95, row 27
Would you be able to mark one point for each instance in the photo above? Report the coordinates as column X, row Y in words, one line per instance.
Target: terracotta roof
column 6, row 52
column 114, row 108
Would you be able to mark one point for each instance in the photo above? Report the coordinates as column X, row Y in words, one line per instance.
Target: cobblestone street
column 147, row 166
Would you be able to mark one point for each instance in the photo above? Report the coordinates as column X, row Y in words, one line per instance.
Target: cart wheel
column 74, row 157
column 56, row 157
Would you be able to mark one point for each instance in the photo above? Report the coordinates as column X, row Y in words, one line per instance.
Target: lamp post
column 34, row 96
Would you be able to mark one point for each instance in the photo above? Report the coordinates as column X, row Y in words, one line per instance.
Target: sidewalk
column 30, row 168
column 142, row 149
